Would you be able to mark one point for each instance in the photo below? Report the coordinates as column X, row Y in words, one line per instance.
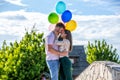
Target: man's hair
column 60, row 25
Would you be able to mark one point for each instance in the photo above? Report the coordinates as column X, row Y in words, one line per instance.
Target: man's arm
column 49, row 45
column 53, row 51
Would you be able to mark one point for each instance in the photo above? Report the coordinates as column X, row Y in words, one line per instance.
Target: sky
column 96, row 19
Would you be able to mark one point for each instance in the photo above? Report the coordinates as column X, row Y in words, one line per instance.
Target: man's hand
column 65, row 53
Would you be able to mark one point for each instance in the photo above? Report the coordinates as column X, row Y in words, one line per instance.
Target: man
column 52, row 53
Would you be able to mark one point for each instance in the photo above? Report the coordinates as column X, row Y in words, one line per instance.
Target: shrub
column 24, row 60
column 101, row 51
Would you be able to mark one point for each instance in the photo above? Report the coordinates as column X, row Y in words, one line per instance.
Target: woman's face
column 61, row 30
column 63, row 34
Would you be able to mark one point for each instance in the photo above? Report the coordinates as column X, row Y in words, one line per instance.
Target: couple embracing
column 58, row 46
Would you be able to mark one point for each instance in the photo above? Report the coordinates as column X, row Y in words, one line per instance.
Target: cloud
column 93, row 27
column 96, row 1
column 7, row 37
column 115, row 2
column 69, row 4
column 14, row 17
column 98, row 26
column 114, row 5
column 17, row 25
column 2, row 2
column 89, row 28
column 16, row 2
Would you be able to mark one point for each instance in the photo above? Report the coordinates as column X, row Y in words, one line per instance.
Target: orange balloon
column 71, row 25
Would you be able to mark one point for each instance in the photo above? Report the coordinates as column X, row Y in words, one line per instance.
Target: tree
column 101, row 51
column 24, row 60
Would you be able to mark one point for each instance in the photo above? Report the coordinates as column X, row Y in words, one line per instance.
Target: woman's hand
column 63, row 35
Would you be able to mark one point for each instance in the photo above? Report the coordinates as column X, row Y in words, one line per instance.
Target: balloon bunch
column 66, row 16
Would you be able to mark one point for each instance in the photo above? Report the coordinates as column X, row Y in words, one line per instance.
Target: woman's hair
column 60, row 25
column 69, row 37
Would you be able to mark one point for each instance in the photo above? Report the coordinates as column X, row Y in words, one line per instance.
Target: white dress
column 64, row 45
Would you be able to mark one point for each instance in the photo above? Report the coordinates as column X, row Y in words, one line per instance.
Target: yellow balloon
column 71, row 25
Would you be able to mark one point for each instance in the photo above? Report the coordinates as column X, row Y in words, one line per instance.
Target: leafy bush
column 101, row 51
column 24, row 60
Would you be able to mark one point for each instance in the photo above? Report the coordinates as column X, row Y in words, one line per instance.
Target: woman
column 64, row 41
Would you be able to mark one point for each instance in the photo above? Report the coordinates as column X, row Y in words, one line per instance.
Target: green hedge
column 101, row 51
column 24, row 60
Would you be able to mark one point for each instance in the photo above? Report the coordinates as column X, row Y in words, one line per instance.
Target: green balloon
column 53, row 18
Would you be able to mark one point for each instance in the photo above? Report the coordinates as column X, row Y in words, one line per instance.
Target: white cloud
column 93, row 27
column 114, row 5
column 16, row 2
column 98, row 26
column 69, row 4
column 89, row 28
column 16, row 27
column 96, row 1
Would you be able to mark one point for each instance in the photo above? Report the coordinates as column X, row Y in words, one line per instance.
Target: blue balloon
column 60, row 7
column 66, row 16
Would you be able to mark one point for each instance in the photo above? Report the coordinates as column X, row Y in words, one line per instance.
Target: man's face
column 61, row 30
column 57, row 29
